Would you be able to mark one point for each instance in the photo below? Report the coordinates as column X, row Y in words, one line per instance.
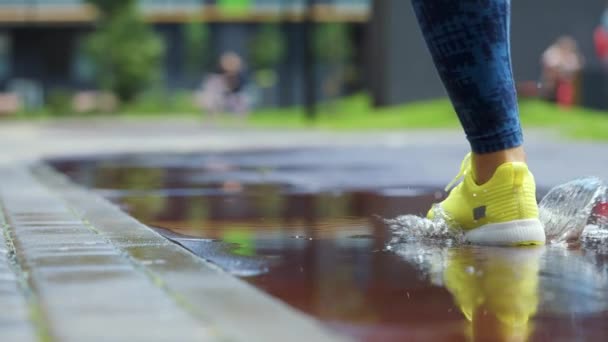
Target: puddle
column 314, row 235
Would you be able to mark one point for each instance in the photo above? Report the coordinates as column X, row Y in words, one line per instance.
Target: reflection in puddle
column 518, row 294
column 313, row 235
column 495, row 289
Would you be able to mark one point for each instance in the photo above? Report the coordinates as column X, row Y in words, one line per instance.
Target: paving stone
column 15, row 324
column 86, row 288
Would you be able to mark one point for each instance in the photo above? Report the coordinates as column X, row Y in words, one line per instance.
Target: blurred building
column 41, row 41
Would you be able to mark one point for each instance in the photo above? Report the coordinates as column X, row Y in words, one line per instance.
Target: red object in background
column 565, row 93
column 600, row 39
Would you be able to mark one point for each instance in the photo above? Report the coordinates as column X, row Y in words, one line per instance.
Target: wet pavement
column 307, row 226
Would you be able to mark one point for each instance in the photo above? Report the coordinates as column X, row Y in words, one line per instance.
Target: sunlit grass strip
column 356, row 113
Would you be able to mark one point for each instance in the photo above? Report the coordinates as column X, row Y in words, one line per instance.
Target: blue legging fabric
column 469, row 42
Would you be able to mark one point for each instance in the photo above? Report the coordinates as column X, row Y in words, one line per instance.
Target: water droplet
column 470, row 269
column 474, row 195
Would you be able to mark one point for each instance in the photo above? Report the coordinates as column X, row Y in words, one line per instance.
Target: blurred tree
column 333, row 48
column 267, row 47
column 125, row 50
column 267, row 51
column 196, row 38
column 332, row 43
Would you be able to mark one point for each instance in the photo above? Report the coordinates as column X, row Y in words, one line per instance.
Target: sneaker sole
column 529, row 232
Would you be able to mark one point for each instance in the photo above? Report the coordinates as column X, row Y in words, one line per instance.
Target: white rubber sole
column 513, row 233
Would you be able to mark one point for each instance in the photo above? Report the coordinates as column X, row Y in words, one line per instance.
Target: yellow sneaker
column 501, row 212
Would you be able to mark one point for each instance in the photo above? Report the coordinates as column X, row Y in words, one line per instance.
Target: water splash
column 568, row 209
column 576, row 211
column 412, row 228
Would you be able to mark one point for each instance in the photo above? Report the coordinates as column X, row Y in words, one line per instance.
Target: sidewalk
column 30, row 141
column 553, row 160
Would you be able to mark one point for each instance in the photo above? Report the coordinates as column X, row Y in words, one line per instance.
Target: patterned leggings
column 469, row 42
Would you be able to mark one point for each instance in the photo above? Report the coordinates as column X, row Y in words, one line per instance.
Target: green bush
column 160, row 102
column 59, row 102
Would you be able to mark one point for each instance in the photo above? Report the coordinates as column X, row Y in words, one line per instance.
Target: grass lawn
column 355, row 113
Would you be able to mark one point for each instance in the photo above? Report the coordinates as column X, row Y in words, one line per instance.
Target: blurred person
column 561, row 66
column 600, row 40
column 225, row 90
column 495, row 203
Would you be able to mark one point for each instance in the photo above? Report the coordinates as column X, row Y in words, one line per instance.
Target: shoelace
column 465, row 168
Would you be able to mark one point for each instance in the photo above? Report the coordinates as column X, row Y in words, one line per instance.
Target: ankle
column 484, row 165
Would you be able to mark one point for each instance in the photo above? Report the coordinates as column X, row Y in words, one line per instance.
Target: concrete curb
column 17, row 304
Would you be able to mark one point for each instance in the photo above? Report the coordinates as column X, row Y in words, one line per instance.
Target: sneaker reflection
column 496, row 289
